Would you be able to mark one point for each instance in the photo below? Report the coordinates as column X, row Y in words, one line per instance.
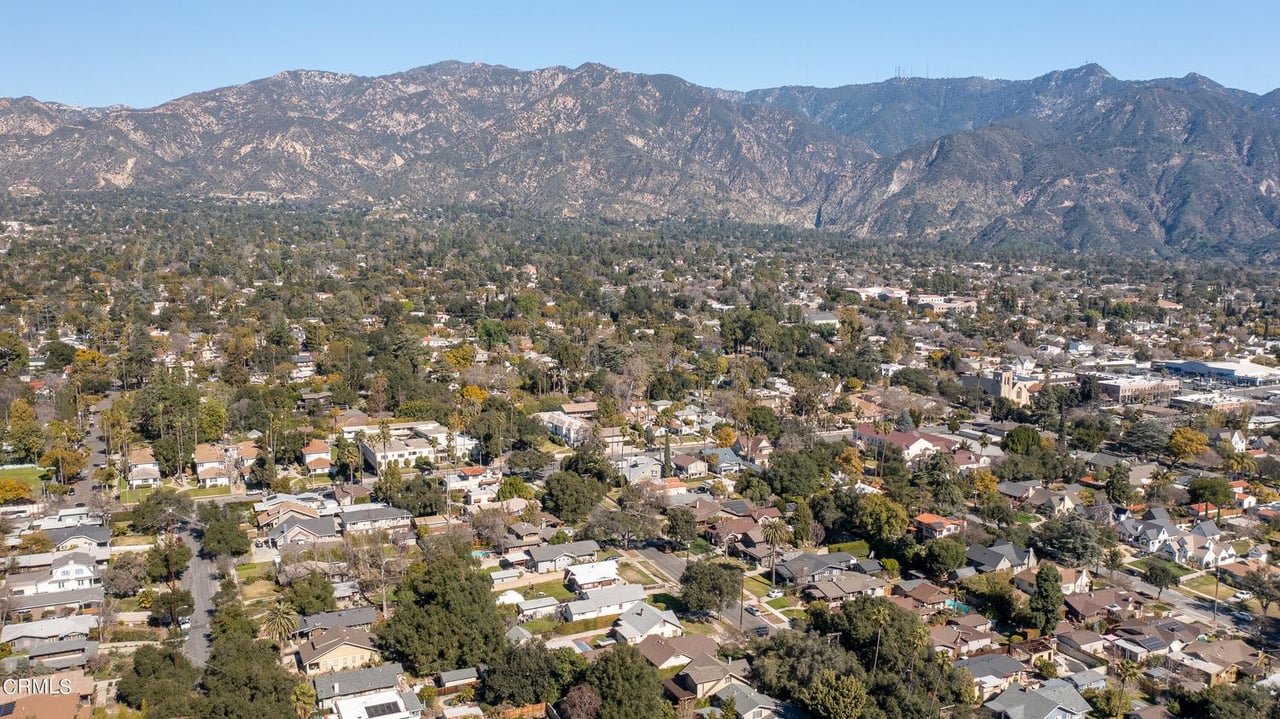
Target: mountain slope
column 1075, row 159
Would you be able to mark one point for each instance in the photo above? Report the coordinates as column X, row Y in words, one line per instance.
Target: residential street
column 201, row 580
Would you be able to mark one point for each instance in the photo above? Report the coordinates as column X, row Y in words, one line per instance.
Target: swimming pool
column 958, row 607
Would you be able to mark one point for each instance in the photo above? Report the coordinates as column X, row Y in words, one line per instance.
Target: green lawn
column 1179, row 571
column 31, row 475
column 248, row 573
column 554, row 588
column 780, row 603
column 545, row 625
column 758, row 585
column 1206, row 585
column 209, row 492
column 664, row 600
column 699, row 547
column 858, row 548
column 1242, row 547
column 133, row 496
column 134, row 540
column 634, row 574
column 1024, row 518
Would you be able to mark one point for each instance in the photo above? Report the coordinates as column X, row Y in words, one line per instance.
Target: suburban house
column 932, row 526
column 374, row 518
column 1056, row 699
column 67, row 539
column 1000, row 556
column 993, row 673
column 708, row 674
column 281, row 512
column 63, row 654
column 305, row 531
column 812, row 568
column 604, row 602
column 748, row 703
column 960, row 641
column 357, row 618
column 318, row 456
column 841, row 588
column 573, row 430
column 211, row 466
column 592, row 575
column 756, row 449
column 23, row 636
column 689, row 466
column 76, row 570
column 1074, row 581
column 387, row 704
column 336, row 649
column 144, row 469
column 643, row 620
column 669, row 653
column 557, row 557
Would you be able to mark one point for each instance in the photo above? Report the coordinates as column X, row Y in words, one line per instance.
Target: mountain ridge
column 1074, row 158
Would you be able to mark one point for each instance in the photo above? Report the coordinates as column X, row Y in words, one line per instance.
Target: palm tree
column 280, row 622
column 775, row 533
column 384, row 434
column 879, row 614
column 1127, row 673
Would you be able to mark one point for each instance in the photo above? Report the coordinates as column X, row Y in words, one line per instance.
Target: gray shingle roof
column 356, row 681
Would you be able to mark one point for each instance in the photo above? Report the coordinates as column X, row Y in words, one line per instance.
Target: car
column 753, row 610
column 1242, row 596
column 1242, row 616
column 774, row 593
column 760, row 631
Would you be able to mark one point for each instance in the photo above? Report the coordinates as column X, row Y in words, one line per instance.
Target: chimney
column 335, row 689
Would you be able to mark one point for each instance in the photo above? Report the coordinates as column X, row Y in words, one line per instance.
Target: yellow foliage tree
column 725, row 437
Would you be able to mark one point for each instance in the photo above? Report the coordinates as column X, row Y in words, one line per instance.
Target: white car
column 774, row 593
column 1242, row 596
column 753, row 610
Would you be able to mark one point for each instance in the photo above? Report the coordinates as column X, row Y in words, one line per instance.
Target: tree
column 243, row 676
column 13, row 355
column 529, row 673
column 1045, row 605
column 682, row 525
column 1072, row 540
column 161, row 510
column 942, row 556
column 13, row 490
column 311, row 594
column 160, row 678
column 878, row 517
column 223, row 535
column 710, row 586
column 1024, row 439
column 628, row 686
column 212, row 421
column 788, row 664
column 513, row 487
column 775, row 533
column 571, row 496
column 725, row 436
column 303, row 697
column 127, row 574
column 835, row 696
column 1145, row 438
column 1118, row 487
column 1159, row 575
column 25, row 436
column 1214, row 490
column 168, row 607
column 279, row 623
column 762, row 420
column 445, row 612
column 1186, row 443
column 580, row 702
column 64, row 458
column 1265, row 587
column 167, row 561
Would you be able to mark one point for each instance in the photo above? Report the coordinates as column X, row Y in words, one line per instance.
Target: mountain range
column 1074, row 160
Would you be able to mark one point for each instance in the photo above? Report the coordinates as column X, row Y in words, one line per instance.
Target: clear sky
column 144, row 52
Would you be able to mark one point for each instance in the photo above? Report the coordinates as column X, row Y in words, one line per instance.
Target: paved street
column 201, row 580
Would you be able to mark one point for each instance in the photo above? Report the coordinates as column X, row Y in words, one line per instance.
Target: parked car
column 761, row 631
column 1242, row 596
column 753, row 610
column 774, row 593
column 1242, row 616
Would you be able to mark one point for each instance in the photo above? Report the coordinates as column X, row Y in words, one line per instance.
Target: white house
column 76, row 570
column 604, row 602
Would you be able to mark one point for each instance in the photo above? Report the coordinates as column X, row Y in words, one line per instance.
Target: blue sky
column 145, row 52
